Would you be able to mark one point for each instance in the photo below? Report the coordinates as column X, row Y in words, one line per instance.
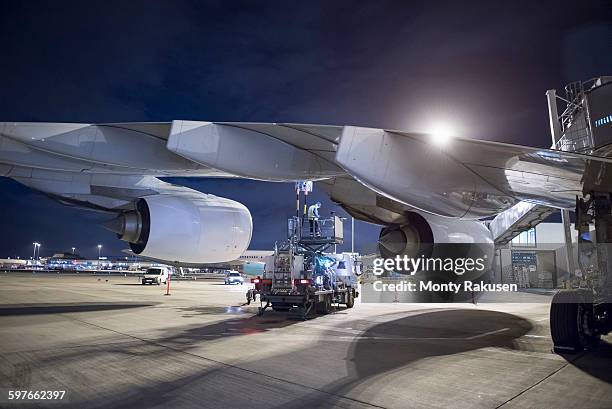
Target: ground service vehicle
column 301, row 278
column 155, row 275
column 233, row 277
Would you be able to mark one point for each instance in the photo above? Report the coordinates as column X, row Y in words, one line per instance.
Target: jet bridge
column 520, row 217
column 579, row 316
column 581, row 128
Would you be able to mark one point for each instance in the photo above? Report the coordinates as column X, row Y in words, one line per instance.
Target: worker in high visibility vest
column 313, row 219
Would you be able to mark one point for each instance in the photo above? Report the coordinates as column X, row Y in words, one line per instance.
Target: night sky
column 482, row 68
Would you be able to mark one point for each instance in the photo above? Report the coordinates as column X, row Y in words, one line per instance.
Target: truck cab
column 155, row 275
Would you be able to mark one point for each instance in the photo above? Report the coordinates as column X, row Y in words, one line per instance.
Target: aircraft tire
column 572, row 322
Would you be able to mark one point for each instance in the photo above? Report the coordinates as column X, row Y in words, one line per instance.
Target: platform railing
column 323, row 229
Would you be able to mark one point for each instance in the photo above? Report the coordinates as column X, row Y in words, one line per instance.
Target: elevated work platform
column 320, row 232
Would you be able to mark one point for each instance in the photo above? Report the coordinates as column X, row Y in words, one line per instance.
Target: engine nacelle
column 432, row 236
column 189, row 228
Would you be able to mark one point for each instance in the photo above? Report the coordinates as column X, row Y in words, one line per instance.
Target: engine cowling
column 426, row 235
column 442, row 250
column 186, row 228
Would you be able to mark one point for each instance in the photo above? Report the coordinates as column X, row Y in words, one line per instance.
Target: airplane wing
column 378, row 175
column 467, row 178
column 464, row 178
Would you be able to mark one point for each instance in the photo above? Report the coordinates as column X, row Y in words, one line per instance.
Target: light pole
column 36, row 246
column 352, row 234
column 99, row 249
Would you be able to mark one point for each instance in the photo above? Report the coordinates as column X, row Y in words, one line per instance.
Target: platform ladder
column 282, row 278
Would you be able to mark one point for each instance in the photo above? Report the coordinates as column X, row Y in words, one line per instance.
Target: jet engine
column 430, row 236
column 187, row 228
column 422, row 232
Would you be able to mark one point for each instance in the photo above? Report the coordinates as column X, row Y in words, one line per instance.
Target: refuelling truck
column 301, row 278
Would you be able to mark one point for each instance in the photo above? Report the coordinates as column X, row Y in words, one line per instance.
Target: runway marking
column 337, row 329
column 536, row 336
column 542, row 355
column 358, row 334
column 488, row 333
column 379, row 338
column 376, row 337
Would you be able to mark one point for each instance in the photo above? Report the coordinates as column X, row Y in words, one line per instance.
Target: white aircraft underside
column 381, row 176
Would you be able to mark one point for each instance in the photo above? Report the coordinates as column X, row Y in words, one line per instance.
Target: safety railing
column 324, row 229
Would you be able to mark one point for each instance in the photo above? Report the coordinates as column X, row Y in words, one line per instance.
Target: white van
column 156, row 275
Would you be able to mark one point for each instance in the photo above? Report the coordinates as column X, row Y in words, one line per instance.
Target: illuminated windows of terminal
column 525, row 239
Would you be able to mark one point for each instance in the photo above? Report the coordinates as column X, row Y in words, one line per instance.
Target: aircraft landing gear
column 572, row 321
column 579, row 316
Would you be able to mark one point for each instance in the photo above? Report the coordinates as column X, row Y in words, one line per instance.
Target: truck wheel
column 572, row 321
column 350, row 299
column 324, row 306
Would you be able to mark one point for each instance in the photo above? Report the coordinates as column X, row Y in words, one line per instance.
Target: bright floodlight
column 441, row 134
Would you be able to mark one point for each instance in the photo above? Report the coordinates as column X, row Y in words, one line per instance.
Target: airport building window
column 525, row 239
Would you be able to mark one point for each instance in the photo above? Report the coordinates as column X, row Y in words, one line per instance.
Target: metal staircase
column 520, row 217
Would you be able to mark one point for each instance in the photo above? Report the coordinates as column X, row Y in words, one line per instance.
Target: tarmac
column 110, row 342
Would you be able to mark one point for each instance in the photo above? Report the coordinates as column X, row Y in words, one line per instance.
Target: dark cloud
column 483, row 65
